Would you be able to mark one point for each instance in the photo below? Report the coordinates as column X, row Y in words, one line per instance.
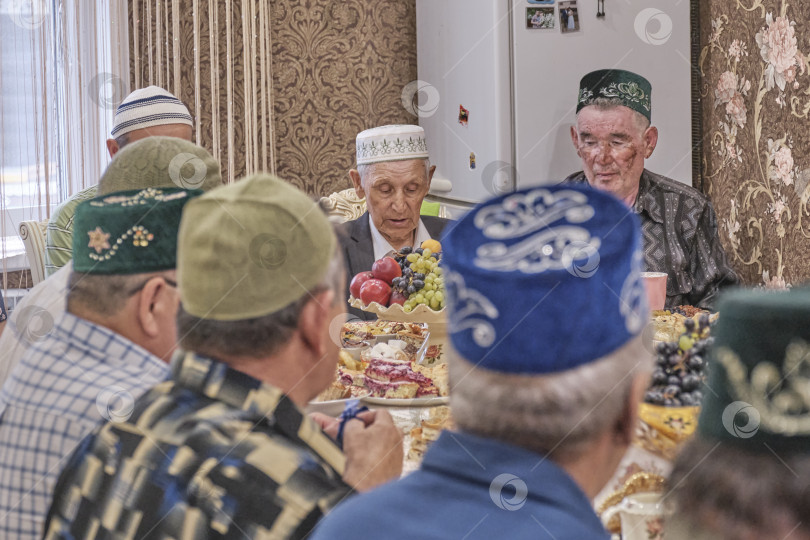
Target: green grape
column 439, row 296
column 438, row 270
column 430, row 294
column 434, row 304
column 412, row 257
column 685, row 343
column 426, row 253
column 407, row 308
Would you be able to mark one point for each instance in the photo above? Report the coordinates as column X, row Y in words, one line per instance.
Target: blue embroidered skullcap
column 544, row 279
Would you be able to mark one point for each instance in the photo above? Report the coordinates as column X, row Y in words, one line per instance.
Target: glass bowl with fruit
column 405, row 286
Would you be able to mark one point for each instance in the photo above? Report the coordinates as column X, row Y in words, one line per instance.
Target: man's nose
column 399, row 201
column 603, row 154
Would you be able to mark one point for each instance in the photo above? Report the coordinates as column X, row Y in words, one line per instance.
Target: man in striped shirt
column 112, row 344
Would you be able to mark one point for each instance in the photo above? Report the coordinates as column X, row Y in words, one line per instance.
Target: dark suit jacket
column 358, row 249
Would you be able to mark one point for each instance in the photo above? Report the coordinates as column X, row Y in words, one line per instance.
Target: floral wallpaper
column 338, row 68
column 756, row 143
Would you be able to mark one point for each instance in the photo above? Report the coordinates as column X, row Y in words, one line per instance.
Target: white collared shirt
column 382, row 246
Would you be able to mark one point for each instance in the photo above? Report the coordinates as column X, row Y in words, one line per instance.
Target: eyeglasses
column 169, row 282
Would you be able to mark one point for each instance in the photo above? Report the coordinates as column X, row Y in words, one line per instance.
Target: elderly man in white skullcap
column 393, row 174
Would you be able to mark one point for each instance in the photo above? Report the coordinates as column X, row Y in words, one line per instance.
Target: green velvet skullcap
column 251, row 248
column 758, row 391
column 129, row 232
column 161, row 162
column 633, row 90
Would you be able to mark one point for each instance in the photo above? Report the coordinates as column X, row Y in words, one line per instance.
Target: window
column 58, row 66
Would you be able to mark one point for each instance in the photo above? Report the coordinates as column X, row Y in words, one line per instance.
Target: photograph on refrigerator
column 569, row 17
column 541, row 18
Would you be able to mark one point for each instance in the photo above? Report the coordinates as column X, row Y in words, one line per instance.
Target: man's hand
column 373, row 448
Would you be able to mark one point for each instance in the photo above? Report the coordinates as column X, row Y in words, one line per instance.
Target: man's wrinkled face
column 613, row 144
column 394, row 191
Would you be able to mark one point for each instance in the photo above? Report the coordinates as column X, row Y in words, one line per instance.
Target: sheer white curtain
column 63, row 70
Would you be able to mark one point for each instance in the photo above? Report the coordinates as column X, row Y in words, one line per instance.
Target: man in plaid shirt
column 111, row 345
column 223, row 449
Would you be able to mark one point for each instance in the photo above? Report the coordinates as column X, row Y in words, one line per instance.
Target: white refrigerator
column 497, row 87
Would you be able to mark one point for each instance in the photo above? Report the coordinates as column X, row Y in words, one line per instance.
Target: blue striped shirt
column 69, row 381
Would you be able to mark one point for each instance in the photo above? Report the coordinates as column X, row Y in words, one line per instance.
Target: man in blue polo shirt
column 545, row 384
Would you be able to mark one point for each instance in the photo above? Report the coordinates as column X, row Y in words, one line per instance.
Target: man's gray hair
column 102, row 294
column 260, row 336
column 365, row 169
column 558, row 413
column 606, row 104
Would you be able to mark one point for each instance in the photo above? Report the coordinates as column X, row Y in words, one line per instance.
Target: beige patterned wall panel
column 756, row 145
column 171, row 46
column 339, row 68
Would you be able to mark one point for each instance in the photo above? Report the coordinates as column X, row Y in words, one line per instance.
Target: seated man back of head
column 112, row 344
column 149, row 163
column 547, row 368
column 146, row 112
column 746, row 474
column 223, row 449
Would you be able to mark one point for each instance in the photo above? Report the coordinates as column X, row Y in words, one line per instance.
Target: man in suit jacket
column 393, row 174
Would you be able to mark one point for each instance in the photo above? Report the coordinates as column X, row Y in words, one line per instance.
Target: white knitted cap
column 391, row 143
column 147, row 107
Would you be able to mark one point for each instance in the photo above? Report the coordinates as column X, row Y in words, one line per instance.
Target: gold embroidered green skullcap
column 129, row 232
column 631, row 89
column 758, row 391
column 161, row 162
column 251, row 248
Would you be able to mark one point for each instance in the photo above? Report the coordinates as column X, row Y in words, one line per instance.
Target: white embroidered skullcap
column 391, row 143
column 148, row 107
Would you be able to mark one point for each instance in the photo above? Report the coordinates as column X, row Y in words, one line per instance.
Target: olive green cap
column 633, row 90
column 758, row 391
column 129, row 232
column 161, row 162
column 251, row 248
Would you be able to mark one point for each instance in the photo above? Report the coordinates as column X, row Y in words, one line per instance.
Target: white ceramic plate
column 412, row 402
column 330, row 408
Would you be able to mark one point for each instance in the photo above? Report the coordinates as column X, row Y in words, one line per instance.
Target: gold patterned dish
column 641, row 482
column 662, row 430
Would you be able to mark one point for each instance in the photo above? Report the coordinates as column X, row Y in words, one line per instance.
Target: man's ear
column 627, row 423
column 154, row 303
column 112, row 147
column 313, row 324
column 650, row 140
column 358, row 186
column 575, row 139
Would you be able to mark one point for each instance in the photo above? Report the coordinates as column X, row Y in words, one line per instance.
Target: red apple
column 397, row 298
column 386, row 269
column 375, row 290
column 357, row 282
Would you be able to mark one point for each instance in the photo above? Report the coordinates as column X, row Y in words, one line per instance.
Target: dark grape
column 704, row 320
column 689, row 324
column 411, row 289
column 676, row 402
column 673, row 380
column 669, row 402
column 674, row 360
column 406, row 250
column 691, row 382
column 695, row 362
column 419, row 251
column 418, row 283
column 659, row 377
column 407, row 272
column 672, row 390
column 420, row 276
column 698, row 396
